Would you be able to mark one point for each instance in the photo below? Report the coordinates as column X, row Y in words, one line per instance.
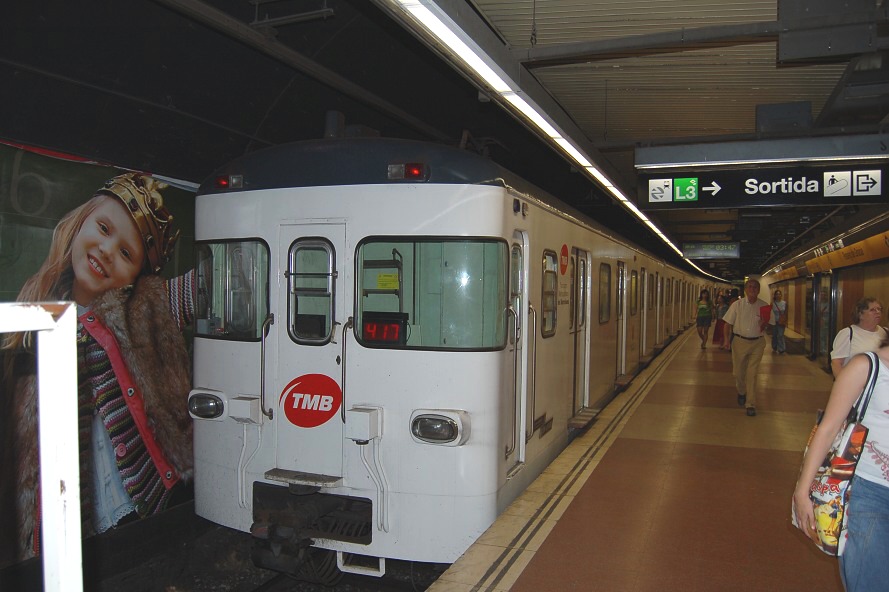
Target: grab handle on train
column 268, row 322
column 518, row 328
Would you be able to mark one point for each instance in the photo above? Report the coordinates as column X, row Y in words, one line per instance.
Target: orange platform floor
column 672, row 488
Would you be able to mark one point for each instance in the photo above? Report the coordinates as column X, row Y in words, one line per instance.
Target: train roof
column 365, row 161
column 359, row 161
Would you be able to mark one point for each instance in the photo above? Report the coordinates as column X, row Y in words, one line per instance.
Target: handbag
column 780, row 317
column 832, row 487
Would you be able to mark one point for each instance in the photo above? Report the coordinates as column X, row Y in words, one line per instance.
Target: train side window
column 572, row 270
column 311, row 272
column 581, row 289
column 634, row 293
column 232, row 289
column 604, row 293
column 652, row 291
column 550, row 292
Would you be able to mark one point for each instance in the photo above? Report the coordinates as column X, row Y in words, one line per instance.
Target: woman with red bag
column 863, row 566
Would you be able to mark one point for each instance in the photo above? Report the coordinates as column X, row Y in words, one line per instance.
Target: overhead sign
column 711, row 250
column 764, row 187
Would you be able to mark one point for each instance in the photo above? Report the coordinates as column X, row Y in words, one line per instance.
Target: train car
column 394, row 339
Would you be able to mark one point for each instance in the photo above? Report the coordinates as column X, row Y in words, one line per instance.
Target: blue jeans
column 864, row 566
column 778, row 338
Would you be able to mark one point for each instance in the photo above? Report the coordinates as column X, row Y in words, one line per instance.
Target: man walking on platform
column 746, row 320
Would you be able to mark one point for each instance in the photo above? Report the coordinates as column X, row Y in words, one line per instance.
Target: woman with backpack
column 864, row 334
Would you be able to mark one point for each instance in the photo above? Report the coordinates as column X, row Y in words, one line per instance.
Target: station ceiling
column 179, row 87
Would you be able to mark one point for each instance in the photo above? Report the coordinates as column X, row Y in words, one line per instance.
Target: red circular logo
column 310, row 400
column 563, row 260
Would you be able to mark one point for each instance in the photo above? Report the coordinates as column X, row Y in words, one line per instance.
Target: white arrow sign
column 714, row 187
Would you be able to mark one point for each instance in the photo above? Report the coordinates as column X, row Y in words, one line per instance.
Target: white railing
column 55, row 325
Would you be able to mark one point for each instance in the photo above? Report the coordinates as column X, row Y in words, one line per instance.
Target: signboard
column 711, row 250
column 734, row 188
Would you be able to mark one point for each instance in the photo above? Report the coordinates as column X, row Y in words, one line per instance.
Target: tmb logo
column 311, row 400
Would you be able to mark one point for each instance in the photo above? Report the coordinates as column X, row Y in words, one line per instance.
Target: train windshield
column 432, row 293
column 232, row 289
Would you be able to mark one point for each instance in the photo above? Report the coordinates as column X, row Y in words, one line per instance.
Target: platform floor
column 672, row 487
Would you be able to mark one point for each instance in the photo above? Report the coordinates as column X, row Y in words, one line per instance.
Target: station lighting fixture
column 460, row 45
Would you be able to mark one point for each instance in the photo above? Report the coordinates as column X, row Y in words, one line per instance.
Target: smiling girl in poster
column 133, row 368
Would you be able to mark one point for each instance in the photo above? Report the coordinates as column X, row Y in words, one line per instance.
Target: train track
column 180, row 552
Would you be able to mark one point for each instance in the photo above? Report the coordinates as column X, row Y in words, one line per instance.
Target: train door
column 658, row 304
column 580, row 332
column 643, row 310
column 822, row 335
column 621, row 318
column 519, row 334
column 309, row 378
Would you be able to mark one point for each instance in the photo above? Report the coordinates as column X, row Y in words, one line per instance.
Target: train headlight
column 204, row 405
column 447, row 427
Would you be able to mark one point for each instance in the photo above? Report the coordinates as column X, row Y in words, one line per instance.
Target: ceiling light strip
column 455, row 39
column 447, row 32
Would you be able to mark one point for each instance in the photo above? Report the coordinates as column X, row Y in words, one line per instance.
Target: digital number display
column 382, row 332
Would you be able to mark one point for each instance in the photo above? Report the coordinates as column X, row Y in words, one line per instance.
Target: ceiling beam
column 827, row 37
column 655, row 43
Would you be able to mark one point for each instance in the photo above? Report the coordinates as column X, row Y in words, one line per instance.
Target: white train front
column 393, row 340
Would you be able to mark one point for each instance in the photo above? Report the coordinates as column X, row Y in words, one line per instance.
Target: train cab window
column 444, row 294
column 550, row 292
column 232, row 289
column 311, row 275
column 634, row 293
column 604, row 293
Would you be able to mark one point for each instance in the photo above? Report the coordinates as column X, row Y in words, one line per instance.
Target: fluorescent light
column 532, row 114
column 444, row 32
column 602, row 179
column 573, row 152
column 757, row 161
column 632, row 207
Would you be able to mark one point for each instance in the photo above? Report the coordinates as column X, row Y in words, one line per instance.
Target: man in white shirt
column 745, row 320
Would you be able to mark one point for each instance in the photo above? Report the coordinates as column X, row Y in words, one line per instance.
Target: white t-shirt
column 745, row 317
column 781, row 306
column 846, row 345
column 873, row 465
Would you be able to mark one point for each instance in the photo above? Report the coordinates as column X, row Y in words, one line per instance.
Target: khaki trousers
column 746, row 356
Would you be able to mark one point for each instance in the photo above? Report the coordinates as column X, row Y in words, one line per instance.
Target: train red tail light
column 411, row 171
column 229, row 182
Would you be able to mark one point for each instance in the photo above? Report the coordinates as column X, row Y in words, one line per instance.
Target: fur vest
column 153, row 350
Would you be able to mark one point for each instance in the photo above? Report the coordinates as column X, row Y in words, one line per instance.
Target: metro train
column 394, row 339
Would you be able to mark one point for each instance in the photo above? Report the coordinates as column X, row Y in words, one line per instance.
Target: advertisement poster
column 119, row 244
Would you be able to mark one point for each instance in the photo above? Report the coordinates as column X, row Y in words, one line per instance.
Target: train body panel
column 381, row 368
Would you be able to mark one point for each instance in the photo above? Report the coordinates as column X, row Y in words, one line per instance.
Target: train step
column 300, row 478
column 583, row 418
column 622, row 381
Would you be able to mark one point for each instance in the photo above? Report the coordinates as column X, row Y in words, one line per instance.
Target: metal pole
column 56, row 325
